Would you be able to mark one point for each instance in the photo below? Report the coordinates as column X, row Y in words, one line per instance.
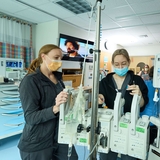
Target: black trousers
column 60, row 152
column 153, row 134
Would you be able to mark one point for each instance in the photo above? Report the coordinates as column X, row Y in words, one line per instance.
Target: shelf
column 11, row 113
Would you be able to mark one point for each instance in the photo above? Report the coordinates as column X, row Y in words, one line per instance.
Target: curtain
column 16, row 40
column 15, row 32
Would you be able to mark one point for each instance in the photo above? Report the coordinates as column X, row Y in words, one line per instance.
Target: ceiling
column 124, row 22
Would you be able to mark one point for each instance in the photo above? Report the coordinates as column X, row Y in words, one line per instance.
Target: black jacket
column 108, row 90
column 37, row 95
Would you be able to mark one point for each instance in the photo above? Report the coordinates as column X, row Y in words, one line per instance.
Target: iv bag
column 79, row 107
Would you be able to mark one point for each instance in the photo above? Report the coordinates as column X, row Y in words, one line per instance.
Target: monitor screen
column 18, row 64
column 75, row 49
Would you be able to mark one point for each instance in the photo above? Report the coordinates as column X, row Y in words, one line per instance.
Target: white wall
column 68, row 29
column 143, row 50
column 49, row 33
column 45, row 33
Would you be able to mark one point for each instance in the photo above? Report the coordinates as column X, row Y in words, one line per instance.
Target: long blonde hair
column 36, row 62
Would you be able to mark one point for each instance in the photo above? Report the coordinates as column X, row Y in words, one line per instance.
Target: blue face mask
column 121, row 71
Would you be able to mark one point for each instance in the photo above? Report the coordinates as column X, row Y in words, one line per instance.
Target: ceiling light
column 143, row 36
column 76, row 6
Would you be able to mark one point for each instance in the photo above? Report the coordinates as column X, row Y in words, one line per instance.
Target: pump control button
column 145, row 118
column 142, row 124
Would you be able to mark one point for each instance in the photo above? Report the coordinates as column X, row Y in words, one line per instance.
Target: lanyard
column 124, row 85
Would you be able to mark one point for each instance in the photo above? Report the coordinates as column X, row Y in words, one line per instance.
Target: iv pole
column 95, row 91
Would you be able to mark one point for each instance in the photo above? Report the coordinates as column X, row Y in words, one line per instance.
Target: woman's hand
column 134, row 89
column 101, row 99
column 61, row 98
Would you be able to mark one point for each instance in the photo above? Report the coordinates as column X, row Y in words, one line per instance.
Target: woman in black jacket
column 124, row 81
column 41, row 93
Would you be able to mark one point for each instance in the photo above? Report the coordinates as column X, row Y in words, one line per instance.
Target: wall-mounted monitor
column 75, row 49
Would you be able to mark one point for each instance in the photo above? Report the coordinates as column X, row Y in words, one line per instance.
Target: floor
column 9, row 150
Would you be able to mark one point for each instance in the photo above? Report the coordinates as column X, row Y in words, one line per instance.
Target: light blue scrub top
column 152, row 108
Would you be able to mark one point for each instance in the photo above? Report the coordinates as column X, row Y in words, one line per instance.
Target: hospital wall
column 48, row 32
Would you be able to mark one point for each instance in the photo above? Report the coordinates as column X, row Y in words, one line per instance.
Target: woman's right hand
column 101, row 99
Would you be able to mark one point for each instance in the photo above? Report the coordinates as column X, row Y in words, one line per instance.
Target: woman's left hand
column 134, row 89
column 61, row 98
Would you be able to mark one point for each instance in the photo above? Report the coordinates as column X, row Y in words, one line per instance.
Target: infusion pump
column 11, row 67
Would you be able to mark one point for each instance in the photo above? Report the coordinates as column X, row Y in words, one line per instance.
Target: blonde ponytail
column 35, row 64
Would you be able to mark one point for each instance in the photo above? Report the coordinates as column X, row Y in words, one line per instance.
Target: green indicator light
column 83, row 140
column 123, row 125
column 138, row 129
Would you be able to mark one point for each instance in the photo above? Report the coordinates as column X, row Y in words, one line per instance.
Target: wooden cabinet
column 75, row 78
column 73, row 75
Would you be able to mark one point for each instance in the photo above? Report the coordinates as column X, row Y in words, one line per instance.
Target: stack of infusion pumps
column 125, row 134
